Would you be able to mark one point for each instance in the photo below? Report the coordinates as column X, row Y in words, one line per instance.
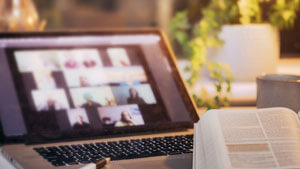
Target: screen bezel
column 123, row 131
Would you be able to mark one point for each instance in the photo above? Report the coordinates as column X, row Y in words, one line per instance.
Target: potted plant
column 234, row 39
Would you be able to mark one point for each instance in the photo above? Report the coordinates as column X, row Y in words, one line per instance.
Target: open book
column 247, row 139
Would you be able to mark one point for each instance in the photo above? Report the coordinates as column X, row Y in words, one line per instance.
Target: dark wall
column 290, row 40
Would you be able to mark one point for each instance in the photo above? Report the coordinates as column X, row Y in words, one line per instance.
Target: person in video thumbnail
column 134, row 97
column 80, row 124
column 125, row 120
column 108, row 122
column 89, row 63
column 84, row 82
column 71, row 63
column 50, row 105
column 89, row 102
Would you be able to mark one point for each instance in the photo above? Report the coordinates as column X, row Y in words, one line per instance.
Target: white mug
column 278, row 90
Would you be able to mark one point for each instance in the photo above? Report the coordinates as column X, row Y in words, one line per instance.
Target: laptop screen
column 74, row 85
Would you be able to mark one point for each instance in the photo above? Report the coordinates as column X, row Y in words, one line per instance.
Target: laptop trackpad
column 170, row 162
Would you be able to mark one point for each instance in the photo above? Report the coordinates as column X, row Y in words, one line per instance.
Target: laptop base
column 25, row 157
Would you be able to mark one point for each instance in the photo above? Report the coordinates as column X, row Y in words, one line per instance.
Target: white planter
column 250, row 50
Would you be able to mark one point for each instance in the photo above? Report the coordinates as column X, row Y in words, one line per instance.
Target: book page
column 264, row 138
column 207, row 143
column 199, row 159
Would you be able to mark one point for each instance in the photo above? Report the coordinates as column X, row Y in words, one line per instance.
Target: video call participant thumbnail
column 85, row 77
column 44, row 80
column 50, row 100
column 85, row 58
column 78, row 119
column 135, row 94
column 118, row 57
column 125, row 75
column 121, row 116
column 125, row 120
column 134, row 97
column 89, row 101
column 80, row 124
column 92, row 97
column 35, row 60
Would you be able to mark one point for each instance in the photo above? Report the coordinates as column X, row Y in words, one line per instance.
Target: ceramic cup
column 278, row 90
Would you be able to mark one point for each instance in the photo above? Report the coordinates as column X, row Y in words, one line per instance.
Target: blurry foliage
column 196, row 38
column 283, row 13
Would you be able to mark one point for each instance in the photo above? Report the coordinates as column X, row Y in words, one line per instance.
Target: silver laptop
column 71, row 98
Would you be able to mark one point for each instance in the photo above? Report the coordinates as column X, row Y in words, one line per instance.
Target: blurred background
column 93, row 14
column 98, row 14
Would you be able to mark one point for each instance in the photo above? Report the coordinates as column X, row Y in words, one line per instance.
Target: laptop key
column 58, row 163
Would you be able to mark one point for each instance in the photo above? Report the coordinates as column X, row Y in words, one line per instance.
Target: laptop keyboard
column 121, row 150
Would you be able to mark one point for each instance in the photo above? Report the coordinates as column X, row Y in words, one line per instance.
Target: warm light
column 21, row 16
column 30, row 20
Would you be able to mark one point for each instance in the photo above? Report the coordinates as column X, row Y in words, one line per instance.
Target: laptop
column 71, row 98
